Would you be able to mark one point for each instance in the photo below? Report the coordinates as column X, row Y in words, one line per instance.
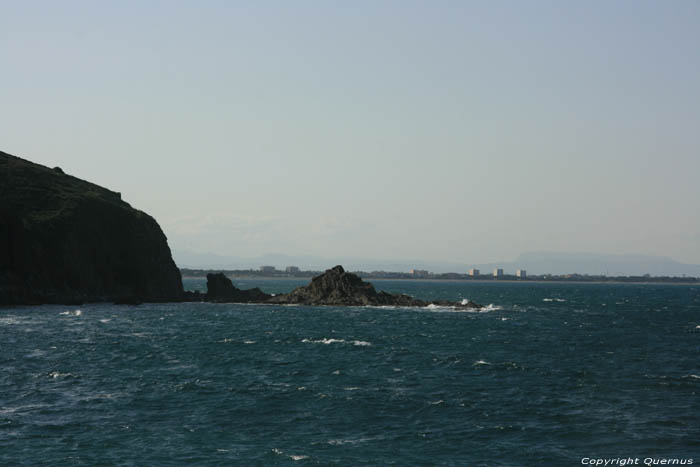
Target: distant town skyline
column 462, row 132
column 525, row 264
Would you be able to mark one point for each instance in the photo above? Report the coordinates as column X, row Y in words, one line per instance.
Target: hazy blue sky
column 460, row 131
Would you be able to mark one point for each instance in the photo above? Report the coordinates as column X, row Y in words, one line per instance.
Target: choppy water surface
column 551, row 374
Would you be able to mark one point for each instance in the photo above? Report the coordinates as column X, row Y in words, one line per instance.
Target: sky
column 446, row 130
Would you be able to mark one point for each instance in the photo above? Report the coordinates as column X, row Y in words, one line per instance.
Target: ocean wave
column 560, row 300
column 294, row 457
column 337, row 341
column 340, row 441
column 57, row 374
column 452, row 309
column 71, row 313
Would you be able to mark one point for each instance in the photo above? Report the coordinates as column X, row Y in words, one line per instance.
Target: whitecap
column 450, row 309
column 553, row 300
column 481, row 362
column 57, row 374
column 340, row 442
column 437, row 402
column 298, row 457
column 328, row 341
column 72, row 313
column 324, row 341
column 11, row 320
column 249, row 342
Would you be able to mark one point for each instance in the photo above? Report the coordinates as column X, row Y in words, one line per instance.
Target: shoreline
column 468, row 281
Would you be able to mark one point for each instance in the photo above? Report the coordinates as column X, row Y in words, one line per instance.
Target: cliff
column 65, row 240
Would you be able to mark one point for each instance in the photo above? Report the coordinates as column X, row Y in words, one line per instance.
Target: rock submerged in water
column 334, row 287
column 64, row 240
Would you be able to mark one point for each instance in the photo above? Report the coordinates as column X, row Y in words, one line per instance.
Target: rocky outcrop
column 65, row 240
column 221, row 289
column 338, row 287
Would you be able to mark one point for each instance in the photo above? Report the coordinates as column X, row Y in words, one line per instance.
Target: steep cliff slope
column 65, row 240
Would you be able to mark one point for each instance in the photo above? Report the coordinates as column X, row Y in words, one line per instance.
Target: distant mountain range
column 534, row 263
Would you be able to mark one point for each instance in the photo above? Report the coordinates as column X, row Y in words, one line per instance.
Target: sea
column 547, row 374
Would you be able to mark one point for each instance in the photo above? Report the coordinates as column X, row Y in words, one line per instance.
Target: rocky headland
column 64, row 240
column 334, row 287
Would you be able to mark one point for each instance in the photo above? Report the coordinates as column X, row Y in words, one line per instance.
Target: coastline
column 468, row 281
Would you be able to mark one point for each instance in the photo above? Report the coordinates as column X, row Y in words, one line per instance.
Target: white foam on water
column 11, row 410
column 553, row 300
column 249, row 342
column 351, row 388
column 71, row 313
column 294, row 457
column 450, row 309
column 336, row 372
column 324, row 341
column 10, row 320
column 481, row 362
column 105, row 320
column 437, row 402
column 56, row 375
column 340, row 442
column 694, row 376
column 328, row 341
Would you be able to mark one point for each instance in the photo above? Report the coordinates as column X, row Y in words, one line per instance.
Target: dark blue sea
column 549, row 374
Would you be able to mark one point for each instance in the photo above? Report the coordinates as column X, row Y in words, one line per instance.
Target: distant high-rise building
column 498, row 272
column 267, row 269
column 291, row 269
column 521, row 273
column 419, row 273
column 474, row 272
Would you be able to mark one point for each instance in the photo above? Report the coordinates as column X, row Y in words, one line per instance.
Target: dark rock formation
column 221, row 289
column 65, row 240
column 337, row 287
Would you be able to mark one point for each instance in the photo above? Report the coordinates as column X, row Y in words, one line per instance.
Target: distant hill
column 596, row 263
